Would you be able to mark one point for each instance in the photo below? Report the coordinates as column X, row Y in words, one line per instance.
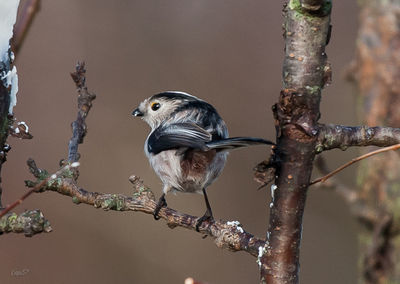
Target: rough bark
column 339, row 136
column 30, row 223
column 305, row 72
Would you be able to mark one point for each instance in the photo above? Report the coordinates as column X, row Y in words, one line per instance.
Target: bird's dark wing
column 178, row 135
column 236, row 142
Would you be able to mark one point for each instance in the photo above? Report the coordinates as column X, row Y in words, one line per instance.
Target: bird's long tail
column 237, row 142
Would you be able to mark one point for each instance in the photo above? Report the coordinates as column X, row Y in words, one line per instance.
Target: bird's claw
column 161, row 203
column 205, row 217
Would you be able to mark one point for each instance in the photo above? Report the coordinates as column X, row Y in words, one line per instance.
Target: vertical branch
column 305, row 72
column 8, row 77
column 85, row 99
column 5, row 118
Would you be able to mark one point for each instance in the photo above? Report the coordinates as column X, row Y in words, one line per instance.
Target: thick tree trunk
column 305, row 73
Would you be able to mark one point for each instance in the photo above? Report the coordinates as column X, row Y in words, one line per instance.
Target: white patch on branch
column 236, row 224
column 24, row 124
column 273, row 188
column 75, row 164
column 261, row 252
column 11, row 79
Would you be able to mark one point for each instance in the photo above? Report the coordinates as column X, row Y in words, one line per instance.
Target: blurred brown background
column 228, row 52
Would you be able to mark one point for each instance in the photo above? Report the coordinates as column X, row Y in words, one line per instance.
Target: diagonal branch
column 44, row 180
column 229, row 235
column 338, row 136
column 355, row 160
column 23, row 24
column 366, row 214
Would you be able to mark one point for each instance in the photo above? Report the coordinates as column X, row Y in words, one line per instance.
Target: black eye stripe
column 155, row 106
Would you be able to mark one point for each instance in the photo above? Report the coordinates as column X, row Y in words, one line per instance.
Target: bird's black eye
column 155, row 106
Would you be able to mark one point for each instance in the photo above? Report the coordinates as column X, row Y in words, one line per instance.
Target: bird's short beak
column 137, row 112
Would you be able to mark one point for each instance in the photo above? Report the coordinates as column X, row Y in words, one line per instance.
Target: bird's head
column 160, row 107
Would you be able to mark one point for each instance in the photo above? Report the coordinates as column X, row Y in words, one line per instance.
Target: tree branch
column 30, row 223
column 229, row 235
column 85, row 99
column 355, row 160
column 24, row 22
column 338, row 136
column 366, row 214
column 305, row 72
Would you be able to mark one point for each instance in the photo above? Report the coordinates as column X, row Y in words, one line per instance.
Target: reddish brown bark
column 305, row 73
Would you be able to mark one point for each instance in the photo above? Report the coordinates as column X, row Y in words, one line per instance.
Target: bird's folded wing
column 178, row 135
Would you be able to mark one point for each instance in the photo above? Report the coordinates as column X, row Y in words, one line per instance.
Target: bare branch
column 229, row 235
column 84, row 105
column 338, row 136
column 366, row 214
column 24, row 22
column 30, row 223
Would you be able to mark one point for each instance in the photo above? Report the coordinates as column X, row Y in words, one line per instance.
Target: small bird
column 188, row 144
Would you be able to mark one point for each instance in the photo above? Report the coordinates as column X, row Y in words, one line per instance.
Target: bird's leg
column 161, row 203
column 208, row 216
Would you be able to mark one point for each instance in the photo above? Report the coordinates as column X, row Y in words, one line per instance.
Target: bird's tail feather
column 237, row 142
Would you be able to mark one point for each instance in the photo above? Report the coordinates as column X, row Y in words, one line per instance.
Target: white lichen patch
column 236, row 224
column 261, row 251
column 11, row 79
column 273, row 188
column 75, row 164
column 25, row 126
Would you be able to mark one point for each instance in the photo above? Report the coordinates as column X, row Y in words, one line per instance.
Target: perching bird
column 188, row 144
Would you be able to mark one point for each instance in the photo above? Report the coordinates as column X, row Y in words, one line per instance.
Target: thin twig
column 366, row 214
column 85, row 99
column 355, row 160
